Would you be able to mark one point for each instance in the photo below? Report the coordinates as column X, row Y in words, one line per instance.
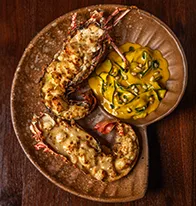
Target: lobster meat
column 81, row 52
column 84, row 151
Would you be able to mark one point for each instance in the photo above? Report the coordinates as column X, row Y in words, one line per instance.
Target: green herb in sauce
column 134, row 92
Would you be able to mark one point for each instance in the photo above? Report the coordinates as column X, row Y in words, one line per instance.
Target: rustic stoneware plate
column 138, row 27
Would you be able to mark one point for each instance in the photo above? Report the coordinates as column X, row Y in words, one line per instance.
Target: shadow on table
column 155, row 175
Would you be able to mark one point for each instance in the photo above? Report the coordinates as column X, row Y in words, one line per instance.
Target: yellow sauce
column 133, row 90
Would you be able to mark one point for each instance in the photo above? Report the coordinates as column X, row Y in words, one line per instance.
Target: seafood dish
column 84, row 92
column 81, row 53
column 79, row 56
column 83, row 150
column 58, row 132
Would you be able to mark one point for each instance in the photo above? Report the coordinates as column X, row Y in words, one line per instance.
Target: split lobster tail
column 80, row 54
column 82, row 150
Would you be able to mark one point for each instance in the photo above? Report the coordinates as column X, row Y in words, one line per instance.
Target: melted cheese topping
column 71, row 65
column 85, row 152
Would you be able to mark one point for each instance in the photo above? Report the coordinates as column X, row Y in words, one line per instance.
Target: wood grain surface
column 172, row 141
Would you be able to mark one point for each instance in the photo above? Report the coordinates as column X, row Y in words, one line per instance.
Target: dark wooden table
column 172, row 141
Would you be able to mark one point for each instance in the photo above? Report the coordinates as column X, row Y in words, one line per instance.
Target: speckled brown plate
column 139, row 27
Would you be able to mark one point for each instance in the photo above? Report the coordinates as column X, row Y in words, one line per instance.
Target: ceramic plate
column 137, row 26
